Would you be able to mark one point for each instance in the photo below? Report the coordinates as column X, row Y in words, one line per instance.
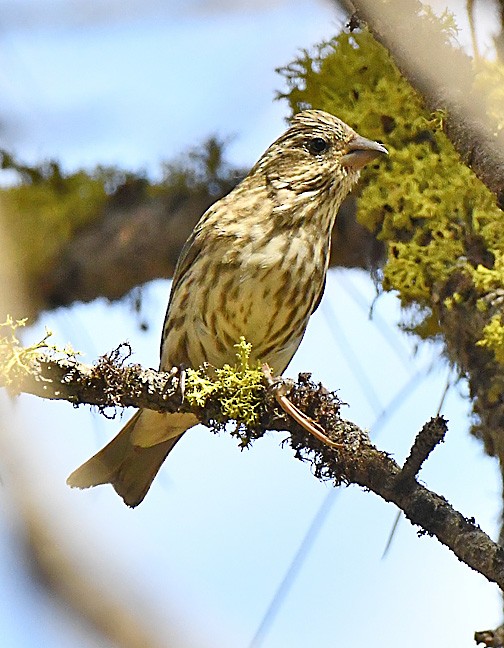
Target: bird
column 255, row 266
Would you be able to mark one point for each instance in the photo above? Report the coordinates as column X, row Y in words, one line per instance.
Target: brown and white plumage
column 254, row 265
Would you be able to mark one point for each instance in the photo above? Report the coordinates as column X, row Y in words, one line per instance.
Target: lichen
column 441, row 225
column 486, row 279
column 493, row 337
column 238, row 389
column 16, row 360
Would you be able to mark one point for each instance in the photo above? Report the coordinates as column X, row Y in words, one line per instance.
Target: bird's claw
column 280, row 388
column 182, row 375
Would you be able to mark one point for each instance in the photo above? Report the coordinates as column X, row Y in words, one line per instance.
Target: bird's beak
column 360, row 151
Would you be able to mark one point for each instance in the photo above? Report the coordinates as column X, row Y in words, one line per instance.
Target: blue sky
column 143, row 84
column 133, row 83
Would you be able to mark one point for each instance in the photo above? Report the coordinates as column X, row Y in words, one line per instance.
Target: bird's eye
column 317, row 145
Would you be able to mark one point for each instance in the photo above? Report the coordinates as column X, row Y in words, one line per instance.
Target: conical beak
column 360, row 151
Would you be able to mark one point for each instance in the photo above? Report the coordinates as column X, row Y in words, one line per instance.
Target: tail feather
column 128, row 467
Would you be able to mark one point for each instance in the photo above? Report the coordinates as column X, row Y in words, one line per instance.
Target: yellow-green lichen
column 493, row 338
column 238, row 389
column 441, row 225
column 487, row 280
column 452, row 301
column 17, row 361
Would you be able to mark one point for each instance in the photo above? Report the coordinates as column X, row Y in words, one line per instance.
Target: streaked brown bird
column 254, row 265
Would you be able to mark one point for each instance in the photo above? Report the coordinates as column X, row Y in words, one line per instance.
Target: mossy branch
column 444, row 76
column 111, row 383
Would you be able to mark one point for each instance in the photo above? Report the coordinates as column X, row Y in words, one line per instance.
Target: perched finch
column 254, row 266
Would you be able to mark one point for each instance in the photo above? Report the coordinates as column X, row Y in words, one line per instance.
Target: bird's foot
column 280, row 388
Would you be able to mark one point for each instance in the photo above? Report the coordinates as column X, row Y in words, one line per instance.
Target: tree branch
column 109, row 384
column 98, row 260
column 430, row 435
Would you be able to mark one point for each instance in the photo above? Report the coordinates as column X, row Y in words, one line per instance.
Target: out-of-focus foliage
column 201, row 169
column 44, row 207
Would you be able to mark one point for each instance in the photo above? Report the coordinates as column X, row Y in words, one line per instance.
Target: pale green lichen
column 441, row 225
column 238, row 389
column 493, row 338
column 18, row 361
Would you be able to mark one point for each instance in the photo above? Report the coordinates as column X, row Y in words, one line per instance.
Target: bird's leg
column 281, row 387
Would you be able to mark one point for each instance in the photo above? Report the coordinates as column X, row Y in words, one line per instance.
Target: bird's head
column 318, row 152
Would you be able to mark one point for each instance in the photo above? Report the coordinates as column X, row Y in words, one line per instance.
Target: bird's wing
column 192, row 247
column 190, row 251
column 319, row 296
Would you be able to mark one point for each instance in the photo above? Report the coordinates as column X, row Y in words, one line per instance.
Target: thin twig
column 432, row 433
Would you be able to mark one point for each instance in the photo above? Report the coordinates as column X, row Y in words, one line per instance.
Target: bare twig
column 432, row 433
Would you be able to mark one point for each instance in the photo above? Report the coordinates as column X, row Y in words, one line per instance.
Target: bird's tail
column 133, row 458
